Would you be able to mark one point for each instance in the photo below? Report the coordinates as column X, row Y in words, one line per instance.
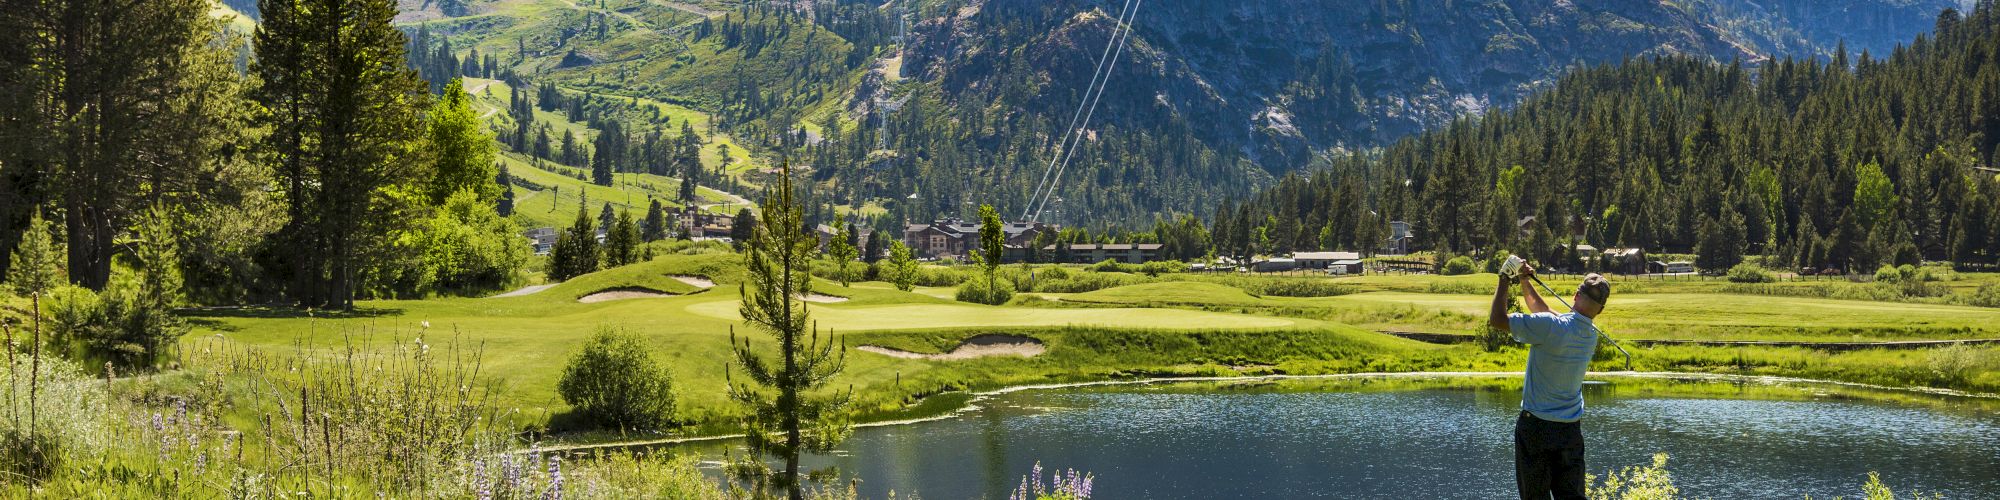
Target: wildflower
column 479, row 479
column 513, row 472
column 1037, row 474
column 555, row 478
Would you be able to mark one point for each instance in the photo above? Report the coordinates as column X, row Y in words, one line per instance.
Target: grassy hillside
column 550, row 193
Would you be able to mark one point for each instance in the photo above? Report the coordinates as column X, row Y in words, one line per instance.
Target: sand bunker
column 695, row 281
column 976, row 347
column 822, row 298
column 526, row 290
column 621, row 294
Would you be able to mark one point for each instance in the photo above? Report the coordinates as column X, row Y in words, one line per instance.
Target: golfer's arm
column 1497, row 318
column 1532, row 299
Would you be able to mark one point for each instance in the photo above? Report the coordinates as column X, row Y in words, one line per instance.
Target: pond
column 1425, row 439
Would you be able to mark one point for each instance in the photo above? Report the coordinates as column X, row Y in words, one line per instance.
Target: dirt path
column 526, row 290
column 976, row 347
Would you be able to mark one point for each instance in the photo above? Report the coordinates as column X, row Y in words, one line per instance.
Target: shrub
column 1987, row 296
column 1112, row 266
column 939, row 276
column 1155, row 268
column 1749, row 273
column 1888, row 274
column 1955, row 365
column 1458, row 266
column 123, row 325
column 1298, row 288
column 469, row 248
column 981, row 291
column 1493, row 262
column 69, row 417
column 1086, row 282
column 1636, row 483
column 615, row 383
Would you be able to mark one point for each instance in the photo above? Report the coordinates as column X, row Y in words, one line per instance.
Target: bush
column 470, row 249
column 939, row 276
column 71, row 417
column 1888, row 274
column 1955, row 365
column 123, row 325
column 1987, row 296
column 1493, row 262
column 1459, row 266
column 1155, row 268
column 1749, row 273
column 1113, row 266
column 981, row 291
column 615, row 383
column 1636, row 483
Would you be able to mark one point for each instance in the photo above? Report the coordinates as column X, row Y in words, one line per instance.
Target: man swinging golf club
column 1548, row 435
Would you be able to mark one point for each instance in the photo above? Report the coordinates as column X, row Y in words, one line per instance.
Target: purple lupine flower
column 555, row 478
column 513, row 472
column 1083, row 492
column 1037, row 474
column 180, row 410
column 479, row 479
column 158, row 424
column 1070, row 485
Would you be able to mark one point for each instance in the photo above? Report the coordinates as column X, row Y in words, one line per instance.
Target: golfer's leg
column 1531, row 471
column 1567, row 474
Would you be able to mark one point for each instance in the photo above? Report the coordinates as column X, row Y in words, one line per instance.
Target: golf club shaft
column 1572, row 308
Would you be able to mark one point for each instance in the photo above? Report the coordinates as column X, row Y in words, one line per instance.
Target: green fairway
column 1743, row 317
column 908, row 317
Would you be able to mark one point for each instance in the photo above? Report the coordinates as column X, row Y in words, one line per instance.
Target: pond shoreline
column 973, row 403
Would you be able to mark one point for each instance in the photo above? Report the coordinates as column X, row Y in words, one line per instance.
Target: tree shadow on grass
column 277, row 312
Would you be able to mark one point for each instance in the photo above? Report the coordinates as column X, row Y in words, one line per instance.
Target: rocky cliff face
column 1282, row 80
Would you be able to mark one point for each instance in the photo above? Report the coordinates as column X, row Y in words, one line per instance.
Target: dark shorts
column 1548, row 458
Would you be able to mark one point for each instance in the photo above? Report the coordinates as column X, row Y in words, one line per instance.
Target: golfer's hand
column 1527, row 272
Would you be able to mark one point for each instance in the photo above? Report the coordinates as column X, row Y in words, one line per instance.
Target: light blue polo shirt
column 1559, row 351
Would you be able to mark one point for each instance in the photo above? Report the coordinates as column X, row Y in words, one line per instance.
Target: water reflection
column 1301, row 440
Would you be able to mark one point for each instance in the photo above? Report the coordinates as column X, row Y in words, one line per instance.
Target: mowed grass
column 1715, row 316
column 526, row 340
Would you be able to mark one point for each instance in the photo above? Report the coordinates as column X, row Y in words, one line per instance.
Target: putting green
column 919, row 316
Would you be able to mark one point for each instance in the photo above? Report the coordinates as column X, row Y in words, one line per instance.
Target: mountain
column 1209, row 99
column 1279, row 80
column 1846, row 164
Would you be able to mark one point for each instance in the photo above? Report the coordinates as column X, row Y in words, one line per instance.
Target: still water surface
column 1209, row 441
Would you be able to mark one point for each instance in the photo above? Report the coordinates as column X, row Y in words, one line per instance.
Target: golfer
column 1548, row 435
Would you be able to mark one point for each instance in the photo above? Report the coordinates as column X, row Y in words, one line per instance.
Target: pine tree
column 744, row 228
column 621, row 242
column 786, row 416
column 1721, row 243
column 575, row 252
column 109, row 106
column 343, row 127
column 655, row 226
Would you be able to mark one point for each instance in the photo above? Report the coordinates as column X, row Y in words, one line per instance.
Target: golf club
column 1511, row 268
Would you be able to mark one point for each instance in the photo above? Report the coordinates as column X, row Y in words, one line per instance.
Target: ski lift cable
column 1071, row 151
column 1080, row 104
